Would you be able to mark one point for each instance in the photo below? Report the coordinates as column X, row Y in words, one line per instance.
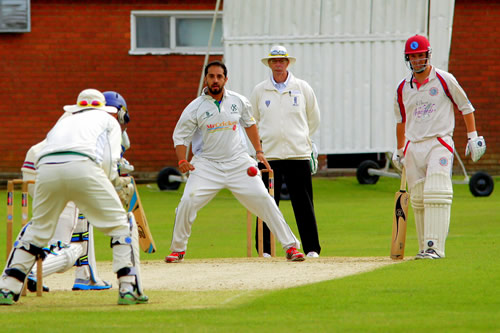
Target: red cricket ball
column 252, row 171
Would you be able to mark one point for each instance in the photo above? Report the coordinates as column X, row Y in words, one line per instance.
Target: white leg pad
column 126, row 256
column 417, row 203
column 61, row 260
column 438, row 196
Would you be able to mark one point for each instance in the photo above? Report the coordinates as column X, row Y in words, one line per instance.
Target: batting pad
column 126, row 254
column 417, row 203
column 61, row 260
column 438, row 195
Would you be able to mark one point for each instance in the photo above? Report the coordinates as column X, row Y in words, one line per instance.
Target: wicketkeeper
column 70, row 168
column 73, row 240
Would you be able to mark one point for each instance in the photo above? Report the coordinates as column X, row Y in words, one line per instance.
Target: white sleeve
column 247, row 118
column 459, row 95
column 112, row 149
column 186, row 126
column 312, row 109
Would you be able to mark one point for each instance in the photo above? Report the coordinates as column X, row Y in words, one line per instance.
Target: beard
column 215, row 90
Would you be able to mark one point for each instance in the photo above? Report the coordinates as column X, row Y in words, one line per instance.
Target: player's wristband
column 472, row 135
column 259, row 151
column 182, row 161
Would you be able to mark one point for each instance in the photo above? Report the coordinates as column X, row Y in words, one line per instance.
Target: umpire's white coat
column 221, row 161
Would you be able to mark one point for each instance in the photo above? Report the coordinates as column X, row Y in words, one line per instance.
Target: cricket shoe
column 431, row 254
column 31, row 285
column 6, row 297
column 175, row 257
column 126, row 297
column 293, row 255
column 420, row 255
column 81, row 284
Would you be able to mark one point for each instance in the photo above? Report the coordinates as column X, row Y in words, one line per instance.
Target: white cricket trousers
column 208, row 178
column 84, row 183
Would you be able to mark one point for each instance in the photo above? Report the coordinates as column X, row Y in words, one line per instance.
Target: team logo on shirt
column 207, row 115
column 222, row 126
column 234, row 108
column 443, row 161
column 433, row 91
column 268, row 102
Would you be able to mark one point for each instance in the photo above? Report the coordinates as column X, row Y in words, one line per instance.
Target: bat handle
column 403, row 179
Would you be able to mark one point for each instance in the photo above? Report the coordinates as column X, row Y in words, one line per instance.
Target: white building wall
column 350, row 51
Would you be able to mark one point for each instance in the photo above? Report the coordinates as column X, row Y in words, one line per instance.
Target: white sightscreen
column 350, row 52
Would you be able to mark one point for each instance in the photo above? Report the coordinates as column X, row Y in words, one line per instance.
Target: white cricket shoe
column 431, row 254
column 313, row 254
column 266, row 255
column 420, row 255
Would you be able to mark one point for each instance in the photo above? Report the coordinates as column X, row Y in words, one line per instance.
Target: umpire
column 287, row 114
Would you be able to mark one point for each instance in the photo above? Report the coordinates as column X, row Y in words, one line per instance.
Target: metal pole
column 205, row 62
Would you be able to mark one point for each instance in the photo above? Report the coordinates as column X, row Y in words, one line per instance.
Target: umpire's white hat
column 90, row 99
column 278, row 51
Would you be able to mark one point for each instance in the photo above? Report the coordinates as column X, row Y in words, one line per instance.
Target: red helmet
column 417, row 44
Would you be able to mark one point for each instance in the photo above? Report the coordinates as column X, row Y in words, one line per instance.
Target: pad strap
column 82, row 261
column 16, row 274
column 36, row 251
column 80, row 237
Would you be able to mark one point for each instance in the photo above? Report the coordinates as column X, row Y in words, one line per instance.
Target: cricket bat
column 399, row 220
column 146, row 241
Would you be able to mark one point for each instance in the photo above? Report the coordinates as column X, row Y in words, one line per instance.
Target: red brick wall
column 474, row 62
column 75, row 45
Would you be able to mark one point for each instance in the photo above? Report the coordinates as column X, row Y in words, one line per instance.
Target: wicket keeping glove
column 313, row 161
column 476, row 146
column 398, row 158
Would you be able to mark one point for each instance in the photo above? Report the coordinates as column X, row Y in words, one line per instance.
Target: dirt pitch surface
column 233, row 273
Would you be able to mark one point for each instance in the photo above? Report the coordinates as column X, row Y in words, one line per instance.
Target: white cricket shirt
column 214, row 129
column 427, row 110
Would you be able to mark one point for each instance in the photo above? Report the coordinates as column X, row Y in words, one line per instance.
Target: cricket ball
column 252, row 171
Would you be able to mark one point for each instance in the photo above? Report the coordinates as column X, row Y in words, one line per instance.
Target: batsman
column 424, row 109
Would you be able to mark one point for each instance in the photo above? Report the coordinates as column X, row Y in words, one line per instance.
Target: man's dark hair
column 216, row 63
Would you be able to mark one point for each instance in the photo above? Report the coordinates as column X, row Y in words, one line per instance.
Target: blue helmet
column 115, row 99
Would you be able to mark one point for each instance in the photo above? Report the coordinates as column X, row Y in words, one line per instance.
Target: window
column 15, row 16
column 165, row 32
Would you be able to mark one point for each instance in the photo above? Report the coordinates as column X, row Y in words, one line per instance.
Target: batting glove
column 476, row 146
column 398, row 158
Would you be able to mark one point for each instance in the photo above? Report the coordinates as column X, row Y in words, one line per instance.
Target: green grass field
column 458, row 294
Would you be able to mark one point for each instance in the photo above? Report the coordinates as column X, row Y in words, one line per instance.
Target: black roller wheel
column 164, row 183
column 362, row 172
column 481, row 184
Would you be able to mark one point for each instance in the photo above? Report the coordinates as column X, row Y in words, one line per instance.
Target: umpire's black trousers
column 297, row 176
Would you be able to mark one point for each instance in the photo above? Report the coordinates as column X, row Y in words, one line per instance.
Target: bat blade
column 146, row 241
column 399, row 225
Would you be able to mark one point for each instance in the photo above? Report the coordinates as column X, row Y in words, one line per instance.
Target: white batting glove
column 124, row 167
column 398, row 158
column 126, row 193
column 476, row 146
column 121, row 182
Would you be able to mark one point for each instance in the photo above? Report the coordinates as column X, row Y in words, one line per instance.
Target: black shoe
column 32, row 285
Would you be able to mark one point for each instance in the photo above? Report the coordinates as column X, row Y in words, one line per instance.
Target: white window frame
column 173, row 49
